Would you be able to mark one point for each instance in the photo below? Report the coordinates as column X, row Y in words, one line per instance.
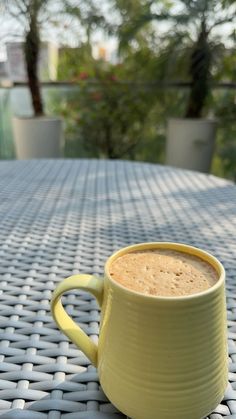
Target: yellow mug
column 157, row 357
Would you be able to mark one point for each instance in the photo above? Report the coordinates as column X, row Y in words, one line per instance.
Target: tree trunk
column 200, row 74
column 109, row 142
column 32, row 49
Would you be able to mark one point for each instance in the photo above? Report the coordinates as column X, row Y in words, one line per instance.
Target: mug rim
column 181, row 247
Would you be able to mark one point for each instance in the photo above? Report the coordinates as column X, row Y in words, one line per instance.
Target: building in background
column 107, row 51
column 15, row 63
column 3, row 70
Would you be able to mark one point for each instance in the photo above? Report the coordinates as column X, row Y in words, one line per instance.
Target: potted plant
column 191, row 32
column 191, row 140
column 36, row 136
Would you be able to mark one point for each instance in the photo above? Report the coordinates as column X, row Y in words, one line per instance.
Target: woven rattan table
column 59, row 217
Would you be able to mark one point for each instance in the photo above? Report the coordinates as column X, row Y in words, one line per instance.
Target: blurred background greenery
column 120, row 109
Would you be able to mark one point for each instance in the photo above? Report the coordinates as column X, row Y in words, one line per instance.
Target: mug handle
column 86, row 283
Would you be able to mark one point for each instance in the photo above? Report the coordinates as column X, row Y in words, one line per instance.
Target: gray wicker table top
column 67, row 216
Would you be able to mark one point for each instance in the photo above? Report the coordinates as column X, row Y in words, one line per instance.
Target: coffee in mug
column 162, row 347
column 163, row 272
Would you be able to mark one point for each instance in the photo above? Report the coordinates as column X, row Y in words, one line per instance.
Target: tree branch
column 221, row 22
column 18, row 5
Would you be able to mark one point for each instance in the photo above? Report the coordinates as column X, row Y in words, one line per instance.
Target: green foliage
column 74, row 61
column 193, row 23
column 107, row 114
column 117, row 111
column 87, row 14
column 113, row 112
column 225, row 104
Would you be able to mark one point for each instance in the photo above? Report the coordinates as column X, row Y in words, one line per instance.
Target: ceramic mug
column 157, row 357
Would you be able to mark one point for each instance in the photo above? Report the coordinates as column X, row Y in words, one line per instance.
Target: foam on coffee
column 163, row 272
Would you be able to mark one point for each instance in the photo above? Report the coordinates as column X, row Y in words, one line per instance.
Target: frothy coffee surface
column 163, row 272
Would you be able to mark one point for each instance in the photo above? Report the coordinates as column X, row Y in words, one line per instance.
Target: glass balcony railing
column 145, row 119
column 17, row 101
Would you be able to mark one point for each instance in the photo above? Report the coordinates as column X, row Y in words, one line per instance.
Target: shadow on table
column 72, row 408
column 68, row 399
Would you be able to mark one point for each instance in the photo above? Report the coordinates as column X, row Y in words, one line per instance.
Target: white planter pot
column 190, row 143
column 38, row 137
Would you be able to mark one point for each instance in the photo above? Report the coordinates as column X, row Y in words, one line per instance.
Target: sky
column 65, row 33
column 59, row 34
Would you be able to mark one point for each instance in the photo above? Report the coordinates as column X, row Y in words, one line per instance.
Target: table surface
column 60, row 217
